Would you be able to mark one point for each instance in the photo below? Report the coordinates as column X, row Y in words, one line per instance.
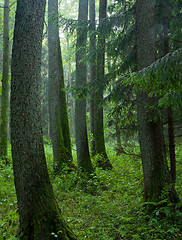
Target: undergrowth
column 109, row 208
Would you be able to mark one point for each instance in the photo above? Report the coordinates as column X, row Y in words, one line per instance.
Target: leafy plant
column 111, row 207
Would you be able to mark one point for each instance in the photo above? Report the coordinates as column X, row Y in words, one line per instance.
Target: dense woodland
column 90, row 119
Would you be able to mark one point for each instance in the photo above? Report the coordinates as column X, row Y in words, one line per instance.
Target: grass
column 109, row 209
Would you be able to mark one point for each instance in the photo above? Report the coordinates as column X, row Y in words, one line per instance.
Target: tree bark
column 39, row 214
column 99, row 125
column 83, row 155
column 155, row 168
column 59, row 124
column 169, row 110
column 72, row 121
column 92, row 72
column 5, row 85
column 171, row 145
column 118, row 132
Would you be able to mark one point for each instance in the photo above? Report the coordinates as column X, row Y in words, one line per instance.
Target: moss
column 63, row 108
column 102, row 158
column 46, row 229
column 103, row 161
column 5, row 86
column 161, row 191
column 46, row 221
column 65, row 125
column 62, row 154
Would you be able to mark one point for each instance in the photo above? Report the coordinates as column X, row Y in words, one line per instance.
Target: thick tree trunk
column 99, row 125
column 92, row 72
column 5, row 85
column 83, row 155
column 39, row 214
column 59, row 124
column 155, row 168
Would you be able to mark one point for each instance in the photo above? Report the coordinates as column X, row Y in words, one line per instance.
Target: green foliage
column 111, row 207
column 162, row 79
column 1, row 84
column 8, row 203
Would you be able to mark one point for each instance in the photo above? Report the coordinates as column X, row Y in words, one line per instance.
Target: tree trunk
column 169, row 110
column 72, row 121
column 118, row 132
column 59, row 124
column 92, row 72
column 39, row 214
column 5, row 85
column 83, row 155
column 99, row 125
column 172, row 145
column 155, row 168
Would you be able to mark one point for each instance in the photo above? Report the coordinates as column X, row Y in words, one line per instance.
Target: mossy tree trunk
column 92, row 52
column 99, row 122
column 5, row 85
column 83, row 155
column 39, row 214
column 59, row 125
column 155, row 168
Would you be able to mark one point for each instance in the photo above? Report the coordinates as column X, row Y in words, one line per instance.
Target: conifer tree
column 83, row 155
column 59, row 125
column 155, row 168
column 103, row 160
column 92, row 72
column 5, row 85
column 39, row 214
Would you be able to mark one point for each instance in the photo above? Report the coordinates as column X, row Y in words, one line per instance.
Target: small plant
column 108, row 205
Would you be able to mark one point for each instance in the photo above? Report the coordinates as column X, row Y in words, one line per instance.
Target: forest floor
column 110, row 207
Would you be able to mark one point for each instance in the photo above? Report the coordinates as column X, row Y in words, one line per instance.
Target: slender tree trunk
column 83, row 155
column 60, row 132
column 38, row 211
column 99, row 125
column 118, row 132
column 172, row 145
column 71, row 102
column 92, row 72
column 169, row 110
column 5, row 85
column 71, row 97
column 155, row 168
